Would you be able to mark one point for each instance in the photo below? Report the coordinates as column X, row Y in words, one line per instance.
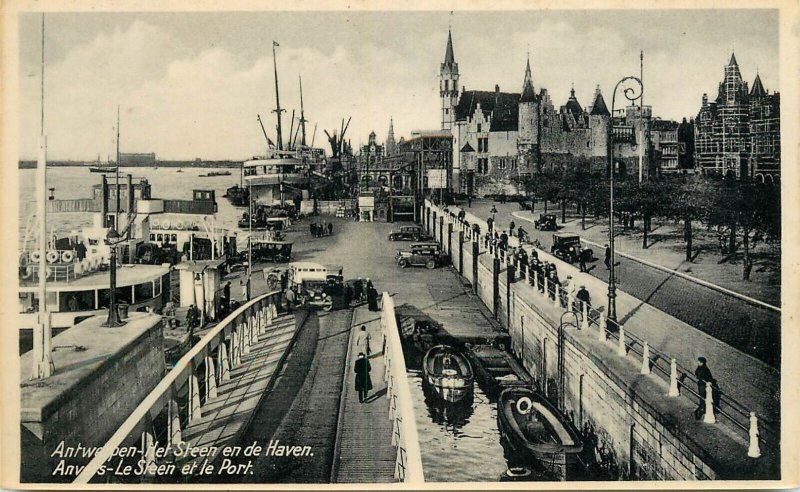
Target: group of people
column 361, row 291
column 320, row 230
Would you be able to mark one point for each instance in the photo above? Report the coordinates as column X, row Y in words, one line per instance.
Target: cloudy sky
column 191, row 84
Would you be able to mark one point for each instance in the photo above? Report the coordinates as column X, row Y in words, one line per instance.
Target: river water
column 77, row 182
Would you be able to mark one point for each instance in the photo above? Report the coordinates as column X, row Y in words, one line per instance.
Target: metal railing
column 652, row 360
column 178, row 400
column 408, row 461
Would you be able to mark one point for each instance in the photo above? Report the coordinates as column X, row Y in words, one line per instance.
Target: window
column 143, row 292
column 479, row 127
column 446, row 111
column 76, row 301
column 447, row 85
column 501, row 164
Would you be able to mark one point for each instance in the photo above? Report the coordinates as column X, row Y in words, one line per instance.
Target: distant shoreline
column 31, row 164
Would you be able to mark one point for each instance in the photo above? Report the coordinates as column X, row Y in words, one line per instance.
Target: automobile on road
column 567, row 247
column 317, row 285
column 421, row 254
column 407, row 233
column 545, row 222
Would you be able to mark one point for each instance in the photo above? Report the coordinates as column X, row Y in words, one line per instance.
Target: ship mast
column 42, row 337
column 277, row 109
column 302, row 114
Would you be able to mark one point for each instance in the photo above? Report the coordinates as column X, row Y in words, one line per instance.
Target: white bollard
column 601, row 336
column 709, row 417
column 621, row 347
column 570, row 302
column 754, row 451
column 673, row 378
column 645, row 359
column 556, row 295
column 585, row 312
column 535, row 280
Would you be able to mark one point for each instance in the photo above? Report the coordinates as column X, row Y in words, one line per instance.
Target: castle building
column 739, row 132
column 498, row 136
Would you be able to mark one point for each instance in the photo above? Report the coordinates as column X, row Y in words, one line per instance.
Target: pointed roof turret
column 573, row 106
column 758, row 88
column 733, row 60
column 599, row 107
column 449, row 57
column 527, row 85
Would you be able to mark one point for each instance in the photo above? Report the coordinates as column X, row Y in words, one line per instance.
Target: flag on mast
column 275, row 43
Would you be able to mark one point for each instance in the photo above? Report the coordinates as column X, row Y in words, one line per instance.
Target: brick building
column 739, row 132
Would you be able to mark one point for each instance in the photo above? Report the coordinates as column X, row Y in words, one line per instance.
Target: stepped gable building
column 498, row 136
column 739, row 132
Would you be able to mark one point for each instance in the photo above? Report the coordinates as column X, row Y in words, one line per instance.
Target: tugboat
column 238, row 196
column 533, row 427
column 448, row 373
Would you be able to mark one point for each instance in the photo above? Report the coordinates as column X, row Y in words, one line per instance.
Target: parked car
column 407, row 233
column 545, row 222
column 421, row 254
column 568, row 246
column 317, row 285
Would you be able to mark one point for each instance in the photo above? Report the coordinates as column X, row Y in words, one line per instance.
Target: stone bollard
column 601, row 336
column 754, row 451
column 585, row 312
column 544, row 291
column 556, row 295
column 570, row 302
column 673, row 378
column 709, row 417
column 535, row 277
column 645, row 359
column 621, row 347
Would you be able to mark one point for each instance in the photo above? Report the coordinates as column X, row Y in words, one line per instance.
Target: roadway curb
column 679, row 274
column 337, row 445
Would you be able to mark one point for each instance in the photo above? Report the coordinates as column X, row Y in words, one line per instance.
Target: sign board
column 437, row 178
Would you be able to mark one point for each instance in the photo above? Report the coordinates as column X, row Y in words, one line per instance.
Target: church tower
column 528, row 111
column 448, row 85
column 390, row 146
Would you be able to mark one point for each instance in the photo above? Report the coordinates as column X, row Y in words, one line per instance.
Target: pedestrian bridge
column 189, row 428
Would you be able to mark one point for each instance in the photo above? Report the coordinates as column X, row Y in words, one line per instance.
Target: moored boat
column 448, row 373
column 534, row 427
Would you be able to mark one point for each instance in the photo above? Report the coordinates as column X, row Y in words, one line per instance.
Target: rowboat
column 535, row 428
column 448, row 373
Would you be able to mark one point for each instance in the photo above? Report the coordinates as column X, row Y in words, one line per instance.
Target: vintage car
column 545, row 222
column 275, row 251
column 317, row 285
column 421, row 254
column 407, row 233
column 567, row 247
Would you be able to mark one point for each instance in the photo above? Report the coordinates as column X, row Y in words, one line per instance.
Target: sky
column 191, row 85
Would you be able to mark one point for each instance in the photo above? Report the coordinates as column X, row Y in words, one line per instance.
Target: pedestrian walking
column 358, row 289
column 569, row 291
column 243, row 287
column 583, row 296
column 372, row 297
column 348, row 295
column 363, row 339
column 703, row 375
column 469, row 201
column 330, row 228
column 312, row 229
column 365, row 290
column 511, row 228
column 582, row 254
column 363, row 381
column 608, row 258
column 490, row 223
column 291, row 300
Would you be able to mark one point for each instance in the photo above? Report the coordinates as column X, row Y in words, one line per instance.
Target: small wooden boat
column 448, row 373
column 496, row 369
column 533, row 426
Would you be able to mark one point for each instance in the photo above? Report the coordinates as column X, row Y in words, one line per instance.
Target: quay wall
column 88, row 409
column 631, row 439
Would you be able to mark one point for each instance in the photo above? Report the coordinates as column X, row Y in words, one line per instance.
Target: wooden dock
column 364, row 451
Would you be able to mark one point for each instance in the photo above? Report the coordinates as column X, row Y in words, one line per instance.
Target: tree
column 757, row 210
column 689, row 202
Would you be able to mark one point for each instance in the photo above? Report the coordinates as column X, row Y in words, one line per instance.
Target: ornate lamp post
column 632, row 93
column 112, row 240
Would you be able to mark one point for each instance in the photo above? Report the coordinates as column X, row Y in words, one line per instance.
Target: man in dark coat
column 582, row 254
column 226, row 295
column 357, row 289
column 330, row 228
column 312, row 229
column 372, row 297
column 363, row 381
column 511, row 228
column 348, row 295
column 583, row 296
column 703, row 375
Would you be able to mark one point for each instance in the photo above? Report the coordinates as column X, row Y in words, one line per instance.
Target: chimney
column 497, row 88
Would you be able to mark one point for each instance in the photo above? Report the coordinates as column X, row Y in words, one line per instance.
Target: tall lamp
column 632, row 93
column 112, row 240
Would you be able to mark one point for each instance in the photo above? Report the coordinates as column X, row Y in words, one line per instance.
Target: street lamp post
column 113, row 320
column 632, row 94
